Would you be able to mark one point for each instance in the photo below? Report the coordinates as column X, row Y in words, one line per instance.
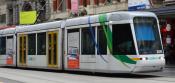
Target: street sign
column 27, row 17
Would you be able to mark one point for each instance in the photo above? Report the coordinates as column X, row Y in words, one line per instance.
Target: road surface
column 11, row 75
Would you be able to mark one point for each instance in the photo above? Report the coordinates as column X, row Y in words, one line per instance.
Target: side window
column 9, row 37
column 101, row 40
column 31, row 44
column 123, row 43
column 41, row 43
column 73, row 42
column 87, row 42
column 10, row 45
column 2, row 45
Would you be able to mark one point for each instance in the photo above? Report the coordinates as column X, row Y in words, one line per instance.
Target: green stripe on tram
column 108, row 34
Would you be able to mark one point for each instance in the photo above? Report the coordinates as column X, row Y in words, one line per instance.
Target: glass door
column 22, row 49
column 52, row 49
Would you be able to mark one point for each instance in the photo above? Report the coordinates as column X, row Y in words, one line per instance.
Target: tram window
column 87, row 42
column 41, row 43
column 73, row 41
column 123, row 43
column 31, row 44
column 73, row 30
column 147, row 35
column 101, row 41
column 2, row 45
column 9, row 37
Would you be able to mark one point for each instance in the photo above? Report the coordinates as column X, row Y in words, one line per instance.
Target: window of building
column 101, row 41
column 63, row 5
column 27, row 6
column 59, row 5
column 3, row 19
column 87, row 42
column 96, row 2
column 31, row 44
column 108, row 1
column 68, row 4
column 84, row 3
column 55, row 5
column 10, row 17
column 41, row 43
column 2, row 45
column 123, row 43
column 122, row 0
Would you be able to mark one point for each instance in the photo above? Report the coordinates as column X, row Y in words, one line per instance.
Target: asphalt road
column 6, row 80
column 167, row 72
column 10, row 75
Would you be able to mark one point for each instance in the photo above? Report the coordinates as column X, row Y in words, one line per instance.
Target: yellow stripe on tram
column 136, row 59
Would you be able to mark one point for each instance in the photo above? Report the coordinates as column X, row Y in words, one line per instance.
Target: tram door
column 52, row 49
column 22, row 49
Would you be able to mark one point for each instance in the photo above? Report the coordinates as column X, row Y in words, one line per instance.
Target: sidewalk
column 170, row 66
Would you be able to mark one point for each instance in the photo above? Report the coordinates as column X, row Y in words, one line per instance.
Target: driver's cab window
column 123, row 43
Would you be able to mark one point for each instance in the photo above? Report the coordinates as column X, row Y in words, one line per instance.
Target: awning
column 169, row 10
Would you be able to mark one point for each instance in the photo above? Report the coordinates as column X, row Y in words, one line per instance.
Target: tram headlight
column 162, row 58
column 143, row 58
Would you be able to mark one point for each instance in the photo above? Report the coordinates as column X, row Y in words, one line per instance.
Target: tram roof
column 37, row 27
column 114, row 16
column 7, row 31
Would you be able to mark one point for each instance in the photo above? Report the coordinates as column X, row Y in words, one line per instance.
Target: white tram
column 39, row 46
column 8, row 47
column 117, row 42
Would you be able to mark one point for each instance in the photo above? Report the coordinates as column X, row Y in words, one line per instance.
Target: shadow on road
column 114, row 75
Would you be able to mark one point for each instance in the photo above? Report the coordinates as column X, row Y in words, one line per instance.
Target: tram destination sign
column 134, row 5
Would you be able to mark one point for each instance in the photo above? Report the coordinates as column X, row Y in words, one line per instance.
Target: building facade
column 62, row 9
column 3, row 12
column 50, row 10
column 12, row 12
column 166, row 15
column 14, row 7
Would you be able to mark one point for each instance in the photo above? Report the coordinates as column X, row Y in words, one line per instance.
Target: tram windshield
column 147, row 35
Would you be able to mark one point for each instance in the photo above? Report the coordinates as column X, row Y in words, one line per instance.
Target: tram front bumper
column 138, row 69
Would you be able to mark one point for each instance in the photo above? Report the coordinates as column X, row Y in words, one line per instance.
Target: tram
column 117, row 42
column 8, row 47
